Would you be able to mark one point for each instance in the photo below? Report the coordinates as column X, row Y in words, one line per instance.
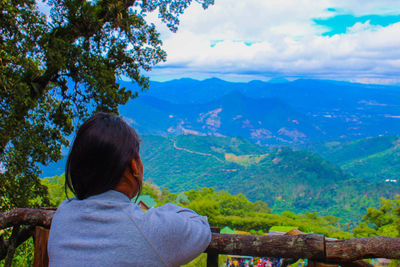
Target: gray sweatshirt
column 108, row 230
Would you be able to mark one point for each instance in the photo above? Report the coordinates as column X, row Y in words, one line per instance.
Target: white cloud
column 284, row 41
column 258, row 39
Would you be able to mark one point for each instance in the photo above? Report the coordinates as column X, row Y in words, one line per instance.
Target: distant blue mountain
column 298, row 93
column 263, row 121
column 278, row 80
column 321, row 109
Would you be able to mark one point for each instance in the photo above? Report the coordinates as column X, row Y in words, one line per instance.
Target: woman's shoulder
column 65, row 203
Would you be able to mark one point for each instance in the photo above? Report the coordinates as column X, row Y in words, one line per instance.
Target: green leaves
column 236, row 211
column 382, row 221
column 55, row 73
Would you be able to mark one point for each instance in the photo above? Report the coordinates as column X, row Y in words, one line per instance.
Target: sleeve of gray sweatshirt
column 176, row 234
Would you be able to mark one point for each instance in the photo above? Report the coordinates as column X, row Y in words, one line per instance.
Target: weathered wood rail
column 309, row 246
column 349, row 252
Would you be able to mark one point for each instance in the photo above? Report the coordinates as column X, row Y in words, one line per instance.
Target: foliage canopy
column 382, row 221
column 56, row 71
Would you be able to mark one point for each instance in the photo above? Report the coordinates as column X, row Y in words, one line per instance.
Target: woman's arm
column 178, row 234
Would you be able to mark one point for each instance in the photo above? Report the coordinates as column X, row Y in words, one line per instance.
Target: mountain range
column 264, row 121
column 289, row 113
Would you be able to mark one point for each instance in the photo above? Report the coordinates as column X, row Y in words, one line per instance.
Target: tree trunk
column 12, row 246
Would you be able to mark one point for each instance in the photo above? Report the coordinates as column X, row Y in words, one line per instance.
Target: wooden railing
column 348, row 252
column 314, row 247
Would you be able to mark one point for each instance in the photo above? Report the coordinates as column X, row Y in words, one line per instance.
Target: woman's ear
column 134, row 166
column 137, row 166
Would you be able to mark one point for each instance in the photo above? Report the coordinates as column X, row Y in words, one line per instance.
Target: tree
column 382, row 221
column 55, row 187
column 56, row 71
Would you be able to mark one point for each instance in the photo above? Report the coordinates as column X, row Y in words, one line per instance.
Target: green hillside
column 184, row 162
column 284, row 178
column 224, row 209
column 375, row 158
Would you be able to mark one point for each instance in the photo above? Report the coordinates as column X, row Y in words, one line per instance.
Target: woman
column 101, row 226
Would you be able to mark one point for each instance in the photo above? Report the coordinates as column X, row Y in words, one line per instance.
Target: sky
column 241, row 40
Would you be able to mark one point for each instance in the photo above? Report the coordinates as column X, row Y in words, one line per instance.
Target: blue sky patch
column 214, row 42
column 339, row 23
column 331, row 9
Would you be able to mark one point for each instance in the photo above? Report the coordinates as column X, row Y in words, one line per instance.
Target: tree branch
column 24, row 216
column 18, row 236
column 3, row 247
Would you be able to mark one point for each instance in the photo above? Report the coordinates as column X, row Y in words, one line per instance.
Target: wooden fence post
column 212, row 258
column 40, row 256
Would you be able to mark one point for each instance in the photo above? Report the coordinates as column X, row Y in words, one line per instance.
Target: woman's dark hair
column 103, row 148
